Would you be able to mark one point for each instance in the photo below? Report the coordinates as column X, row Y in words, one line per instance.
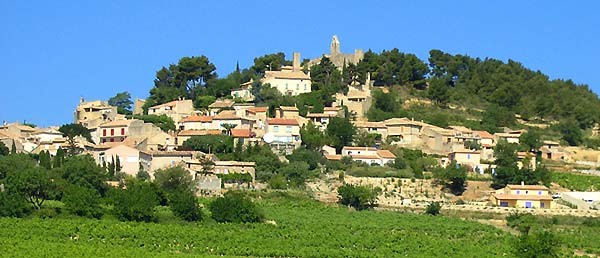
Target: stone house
column 551, row 150
column 184, row 135
column 407, row 131
column 259, row 116
column 128, row 156
column 373, row 127
column 176, row 109
column 153, row 160
column 368, row 155
column 196, row 123
column 469, row 158
column 244, row 92
column 522, row 196
column 220, row 105
column 91, row 114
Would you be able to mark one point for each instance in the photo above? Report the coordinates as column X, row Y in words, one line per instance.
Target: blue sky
column 54, row 52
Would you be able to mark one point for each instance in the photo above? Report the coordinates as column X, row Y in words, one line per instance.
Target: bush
column 82, row 201
column 538, row 244
column 173, row 179
column 184, row 204
column 137, row 202
column 360, row 197
column 433, row 208
column 278, row 182
column 235, row 207
column 13, row 205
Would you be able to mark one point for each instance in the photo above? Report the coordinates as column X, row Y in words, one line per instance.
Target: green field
column 297, row 227
column 577, row 181
column 303, row 228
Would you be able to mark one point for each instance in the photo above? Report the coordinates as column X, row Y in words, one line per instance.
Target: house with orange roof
column 283, row 134
column 196, row 122
column 258, row 115
column 184, row 135
column 522, row 196
column 220, row 105
column 128, row 156
column 176, row 109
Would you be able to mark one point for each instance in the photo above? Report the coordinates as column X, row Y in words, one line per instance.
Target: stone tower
column 335, row 46
column 296, row 61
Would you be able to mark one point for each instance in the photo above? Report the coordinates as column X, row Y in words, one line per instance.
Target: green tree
column 13, row 148
column 173, row 179
column 13, row 164
column 341, row 132
column 531, row 140
column 123, row 103
column 83, row 201
column 364, row 138
column 495, row 117
column 45, row 160
column 165, row 123
column 35, row 184
column 184, row 204
column 136, row 202
column 269, row 62
column 358, row 196
column 433, row 208
column 312, row 137
column 235, row 207
column 202, row 102
column 438, row 91
column 326, row 77
column 13, row 204
column 537, row 245
column 453, row 176
column 83, row 171
column 302, row 154
column 4, row 151
column 59, row 159
column 571, row 133
column 296, row 173
column 70, row 131
column 210, row 143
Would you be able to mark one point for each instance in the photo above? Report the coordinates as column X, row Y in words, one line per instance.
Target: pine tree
column 59, row 158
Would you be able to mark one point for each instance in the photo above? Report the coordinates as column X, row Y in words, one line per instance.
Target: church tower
column 335, row 46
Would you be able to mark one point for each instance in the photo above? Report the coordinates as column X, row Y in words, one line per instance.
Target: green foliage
column 364, row 138
column 495, row 117
column 365, row 170
column 438, row 91
column 70, row 131
column 82, row 201
column 122, row 101
column 358, row 196
column 202, row 102
column 13, row 204
column 4, row 151
column 136, row 202
column 184, row 204
column 13, row 148
column 312, row 137
column 14, row 163
column 59, row 159
column 83, row 171
column 311, row 157
column 537, row 245
column 45, row 160
column 174, row 178
column 266, row 161
column 341, row 132
column 433, row 209
column 576, row 181
column 163, row 122
column 531, row 140
column 235, row 207
column 571, row 133
column 271, row 62
column 210, row 143
column 277, row 181
column 238, row 178
column 34, row 184
column 326, row 78
column 453, row 176
column 296, row 173
column 393, row 68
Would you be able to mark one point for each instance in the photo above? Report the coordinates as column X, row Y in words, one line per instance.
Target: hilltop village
column 241, row 138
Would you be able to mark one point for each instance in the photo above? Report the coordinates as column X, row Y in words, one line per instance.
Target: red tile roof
column 258, row 109
column 241, row 133
column 386, row 154
column 484, row 134
column 198, row 132
column 282, row 121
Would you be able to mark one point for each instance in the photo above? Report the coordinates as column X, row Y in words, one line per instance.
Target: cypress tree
column 13, row 148
column 59, row 158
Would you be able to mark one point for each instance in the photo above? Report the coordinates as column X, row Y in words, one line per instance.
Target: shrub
column 433, row 208
column 173, row 179
column 185, row 205
column 137, row 202
column 235, row 207
column 277, row 182
column 360, row 197
column 537, row 244
column 13, row 205
column 82, row 201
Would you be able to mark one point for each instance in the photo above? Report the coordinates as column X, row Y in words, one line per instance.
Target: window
column 122, row 131
column 518, row 191
column 542, row 205
column 112, row 132
column 468, row 156
column 305, row 86
column 276, row 128
column 539, row 192
column 103, row 132
column 288, row 129
column 298, row 86
column 286, row 86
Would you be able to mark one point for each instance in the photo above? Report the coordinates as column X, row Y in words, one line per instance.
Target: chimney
column 522, row 183
column 296, row 62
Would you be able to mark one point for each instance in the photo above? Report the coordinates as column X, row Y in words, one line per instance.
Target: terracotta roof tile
column 282, row 121
column 190, row 119
column 241, row 133
column 386, row 154
column 198, row 132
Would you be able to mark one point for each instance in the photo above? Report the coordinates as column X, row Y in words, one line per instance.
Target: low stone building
column 151, row 161
column 91, row 114
column 176, row 109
